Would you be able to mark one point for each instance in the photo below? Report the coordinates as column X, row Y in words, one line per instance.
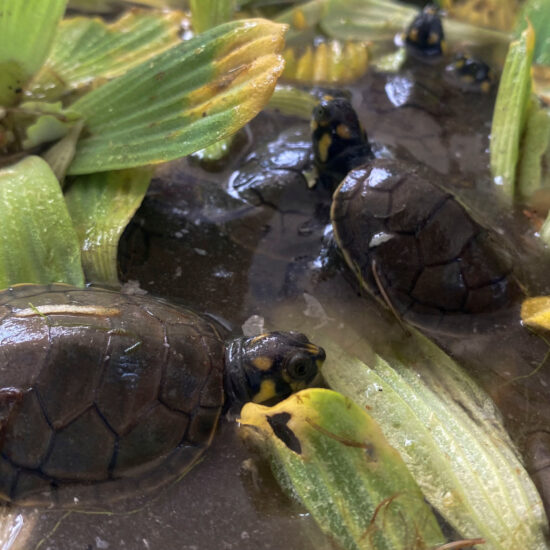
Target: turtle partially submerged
column 105, row 394
column 409, row 241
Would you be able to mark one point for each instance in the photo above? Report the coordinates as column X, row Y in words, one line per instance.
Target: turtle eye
column 301, row 367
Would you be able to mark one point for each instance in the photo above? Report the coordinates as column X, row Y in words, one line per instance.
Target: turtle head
column 339, row 141
column 424, row 37
column 270, row 366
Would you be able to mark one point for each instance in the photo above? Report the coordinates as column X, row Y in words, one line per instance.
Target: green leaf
column 182, row 100
column 537, row 12
column 89, row 51
column 332, row 455
column 206, row 14
column 534, row 146
column 292, row 101
column 43, row 122
column 510, row 112
column 101, row 205
column 26, row 33
column 451, row 437
column 60, row 155
column 37, row 241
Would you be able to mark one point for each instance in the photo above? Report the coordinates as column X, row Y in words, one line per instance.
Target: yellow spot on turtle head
column 459, row 64
column 314, row 125
column 343, row 131
column 262, row 363
column 413, row 35
column 468, row 79
column 299, row 20
column 267, row 391
column 324, row 144
column 433, row 38
column 486, row 86
column 258, row 338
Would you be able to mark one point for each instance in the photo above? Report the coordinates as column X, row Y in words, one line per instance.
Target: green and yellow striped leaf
column 88, row 52
column 450, row 435
column 332, row 455
column 182, row 100
column 37, row 241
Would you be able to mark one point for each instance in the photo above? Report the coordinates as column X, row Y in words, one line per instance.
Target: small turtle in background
column 424, row 37
column 105, row 395
column 470, row 74
column 409, row 241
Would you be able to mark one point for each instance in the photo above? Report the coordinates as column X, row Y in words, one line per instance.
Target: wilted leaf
column 37, row 240
column 26, row 33
column 497, row 14
column 182, row 100
column 535, row 312
column 332, row 455
column 89, row 51
column 331, row 62
column 510, row 112
column 101, row 205
column 451, row 437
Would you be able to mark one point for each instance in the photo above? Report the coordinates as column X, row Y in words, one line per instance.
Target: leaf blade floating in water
column 327, row 451
column 451, row 437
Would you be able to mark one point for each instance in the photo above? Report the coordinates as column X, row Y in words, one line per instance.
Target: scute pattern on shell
column 116, row 400
column 433, row 260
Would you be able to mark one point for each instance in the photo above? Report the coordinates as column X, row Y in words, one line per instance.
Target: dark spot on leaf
column 160, row 76
column 370, row 451
column 204, row 114
column 18, row 90
column 278, row 423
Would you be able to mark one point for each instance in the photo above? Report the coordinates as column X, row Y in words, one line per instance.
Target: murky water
column 251, row 239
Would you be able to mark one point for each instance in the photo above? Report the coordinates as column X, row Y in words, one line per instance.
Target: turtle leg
column 9, row 398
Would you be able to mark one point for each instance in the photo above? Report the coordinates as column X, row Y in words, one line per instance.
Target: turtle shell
column 102, row 394
column 415, row 246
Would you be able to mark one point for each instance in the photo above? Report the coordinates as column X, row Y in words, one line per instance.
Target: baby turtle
column 425, row 37
column 470, row 74
column 104, row 395
column 412, row 243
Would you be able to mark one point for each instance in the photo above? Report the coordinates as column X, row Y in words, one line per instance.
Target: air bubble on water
column 253, row 326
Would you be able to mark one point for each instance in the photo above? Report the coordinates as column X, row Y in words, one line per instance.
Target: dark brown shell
column 115, row 393
column 407, row 238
